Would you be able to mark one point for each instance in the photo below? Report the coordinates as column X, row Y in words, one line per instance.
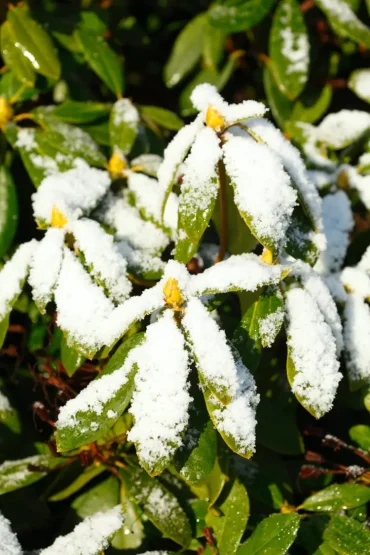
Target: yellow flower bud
column 214, row 119
column 6, row 112
column 267, row 256
column 57, row 218
column 172, row 293
column 117, row 164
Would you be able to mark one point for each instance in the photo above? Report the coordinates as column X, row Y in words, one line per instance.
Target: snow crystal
column 13, row 275
column 320, row 178
column 356, row 280
column 270, row 325
column 360, row 83
column 313, row 352
column 364, row 161
column 176, row 151
column 200, row 184
column 124, row 111
column 177, row 271
column 9, row 544
column 238, row 419
column 262, row 188
column 294, row 165
column 295, row 45
column 338, row 222
column 73, row 192
column 357, row 337
column 45, row 266
column 335, row 287
column 161, row 400
column 244, row 271
column 90, row 536
column 311, row 149
column 102, row 257
column 26, row 139
column 344, row 126
column 140, row 261
column 5, row 406
column 341, row 11
column 212, row 353
column 361, row 183
column 316, row 287
column 149, row 200
column 82, row 306
column 206, row 95
column 149, row 163
column 364, row 263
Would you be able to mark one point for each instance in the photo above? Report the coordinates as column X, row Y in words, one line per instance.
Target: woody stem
column 223, row 211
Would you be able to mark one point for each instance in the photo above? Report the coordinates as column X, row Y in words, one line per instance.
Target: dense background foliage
column 83, row 56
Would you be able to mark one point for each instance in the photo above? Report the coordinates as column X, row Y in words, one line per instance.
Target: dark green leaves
column 74, row 112
column 86, row 425
column 22, row 473
column 344, row 21
column 273, row 536
column 33, row 43
column 337, row 497
column 289, row 48
column 161, row 116
column 361, row 435
column 347, row 536
column 238, row 15
column 102, row 59
column 9, row 210
column 186, row 51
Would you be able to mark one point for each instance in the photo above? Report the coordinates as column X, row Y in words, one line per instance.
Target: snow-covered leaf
column 149, row 163
column 21, row 473
column 359, row 83
column 161, row 400
column 244, row 272
column 234, row 16
column 5, row 407
column 263, row 191
column 96, row 408
column 46, row 263
column 344, row 21
column 361, row 183
column 123, row 125
column 342, row 128
column 160, row 505
column 356, row 340
column 303, row 243
column 9, row 544
column 356, row 280
column 312, row 366
column 12, row 277
column 91, row 536
column 289, row 48
column 199, row 190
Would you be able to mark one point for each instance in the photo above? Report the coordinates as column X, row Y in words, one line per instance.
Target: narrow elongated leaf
column 84, row 478
column 344, row 21
column 21, row 473
column 102, row 59
column 71, row 359
column 289, row 48
column 213, row 46
column 123, row 125
column 4, row 325
column 281, row 107
column 161, row 116
column 198, row 193
column 211, row 490
column 312, row 104
column 273, row 536
column 101, row 497
column 337, row 497
column 347, row 536
column 186, row 51
column 75, row 112
column 14, row 58
column 9, row 210
column 239, row 15
column 230, row 525
column 94, row 411
column 34, row 42
column 160, row 506
column 131, row 535
column 301, row 239
column 361, row 435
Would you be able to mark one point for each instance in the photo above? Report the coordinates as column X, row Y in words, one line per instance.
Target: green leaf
column 291, row 373
column 71, row 359
column 34, row 42
column 161, row 116
column 214, row 41
column 211, row 490
column 123, row 125
column 131, row 535
column 186, row 51
column 75, row 112
column 239, row 15
column 310, row 535
column 289, row 48
column 300, row 238
column 312, row 104
column 13, row 57
column 9, row 210
column 281, row 106
column 73, row 436
column 195, row 460
column 4, row 325
column 84, row 478
column 247, row 339
column 345, row 22
column 21, row 473
column 102, row 59
column 273, row 536
column 101, row 497
column 359, row 83
column 347, row 536
column 193, row 220
column 277, row 428
column 361, row 435
column 160, row 506
column 337, row 497
column 230, row 525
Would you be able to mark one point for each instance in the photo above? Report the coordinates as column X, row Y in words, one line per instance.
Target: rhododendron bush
column 185, row 277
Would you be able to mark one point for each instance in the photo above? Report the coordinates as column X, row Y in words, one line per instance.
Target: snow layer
column 357, row 337
column 9, row 544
